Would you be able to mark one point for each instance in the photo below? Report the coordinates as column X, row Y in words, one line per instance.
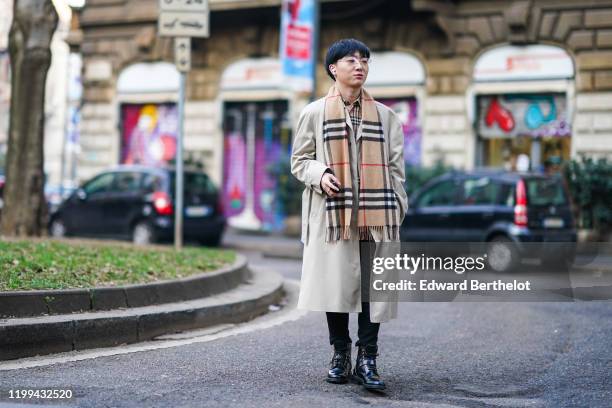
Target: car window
column 443, row 193
column 126, row 182
column 195, row 184
column 506, row 196
column 478, row 191
column 545, row 191
column 151, row 183
column 100, row 184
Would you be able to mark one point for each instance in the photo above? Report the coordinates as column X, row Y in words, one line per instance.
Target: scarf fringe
column 335, row 234
column 390, row 232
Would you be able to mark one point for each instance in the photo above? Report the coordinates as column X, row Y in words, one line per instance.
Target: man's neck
column 349, row 94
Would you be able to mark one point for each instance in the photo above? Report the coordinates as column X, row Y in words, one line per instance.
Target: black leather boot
column 365, row 369
column 340, row 366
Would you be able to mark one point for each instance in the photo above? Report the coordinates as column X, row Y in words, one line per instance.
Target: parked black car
column 137, row 202
column 507, row 210
column 55, row 194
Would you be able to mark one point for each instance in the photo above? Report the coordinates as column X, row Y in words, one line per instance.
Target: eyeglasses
column 355, row 61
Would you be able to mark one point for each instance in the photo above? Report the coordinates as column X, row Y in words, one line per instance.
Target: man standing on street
column 348, row 151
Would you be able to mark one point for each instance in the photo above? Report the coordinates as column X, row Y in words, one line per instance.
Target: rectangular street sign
column 181, row 24
column 190, row 6
column 182, row 53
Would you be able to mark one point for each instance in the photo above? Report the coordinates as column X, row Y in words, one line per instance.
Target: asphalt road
column 434, row 355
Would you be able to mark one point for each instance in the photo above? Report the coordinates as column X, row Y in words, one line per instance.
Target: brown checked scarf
column 377, row 204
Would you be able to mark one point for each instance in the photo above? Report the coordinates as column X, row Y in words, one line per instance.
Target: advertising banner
column 297, row 43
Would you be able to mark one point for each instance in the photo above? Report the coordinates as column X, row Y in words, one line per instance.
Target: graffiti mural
column 234, row 169
column 530, row 115
column 148, row 133
column 255, row 139
column 407, row 110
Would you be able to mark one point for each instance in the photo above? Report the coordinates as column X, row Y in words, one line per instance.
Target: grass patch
column 47, row 264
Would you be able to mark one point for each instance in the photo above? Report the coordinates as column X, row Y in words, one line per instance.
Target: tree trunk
column 25, row 209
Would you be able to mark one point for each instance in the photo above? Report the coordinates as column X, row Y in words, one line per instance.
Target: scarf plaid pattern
column 377, row 204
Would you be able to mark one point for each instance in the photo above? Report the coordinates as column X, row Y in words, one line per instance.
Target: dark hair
column 342, row 48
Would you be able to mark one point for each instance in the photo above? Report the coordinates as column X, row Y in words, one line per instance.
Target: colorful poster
column 148, row 133
column 407, row 110
column 531, row 115
column 250, row 185
column 297, row 43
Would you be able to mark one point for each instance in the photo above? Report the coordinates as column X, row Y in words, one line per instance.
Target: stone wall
column 593, row 124
column 447, row 35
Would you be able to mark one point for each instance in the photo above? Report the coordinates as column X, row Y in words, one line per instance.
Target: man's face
column 351, row 70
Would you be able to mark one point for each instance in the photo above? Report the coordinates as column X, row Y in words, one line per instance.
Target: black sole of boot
column 337, row 380
column 368, row 387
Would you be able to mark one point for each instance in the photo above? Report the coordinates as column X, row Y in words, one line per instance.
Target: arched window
column 147, row 78
column 149, row 116
column 522, row 101
column 252, row 74
column 256, row 143
column 394, row 68
column 528, row 63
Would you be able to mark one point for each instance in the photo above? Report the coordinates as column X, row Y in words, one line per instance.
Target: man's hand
column 330, row 184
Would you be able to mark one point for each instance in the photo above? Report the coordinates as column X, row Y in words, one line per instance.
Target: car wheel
column 58, row 228
column 502, row 255
column 143, row 234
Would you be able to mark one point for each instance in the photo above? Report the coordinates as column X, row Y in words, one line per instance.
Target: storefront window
column 515, row 130
column 249, row 187
column 530, row 130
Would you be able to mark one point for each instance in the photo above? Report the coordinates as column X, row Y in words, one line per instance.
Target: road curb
column 27, row 337
column 55, row 302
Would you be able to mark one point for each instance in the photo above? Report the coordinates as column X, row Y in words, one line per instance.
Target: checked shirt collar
column 354, row 110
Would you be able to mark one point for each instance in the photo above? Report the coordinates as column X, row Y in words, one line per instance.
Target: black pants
column 339, row 332
column 338, row 323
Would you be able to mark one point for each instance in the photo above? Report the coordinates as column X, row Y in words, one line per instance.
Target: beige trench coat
column 331, row 272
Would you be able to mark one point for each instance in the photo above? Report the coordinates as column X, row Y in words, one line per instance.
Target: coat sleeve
column 396, row 164
column 304, row 164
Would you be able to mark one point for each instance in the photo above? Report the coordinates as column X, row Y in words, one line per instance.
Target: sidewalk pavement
column 270, row 245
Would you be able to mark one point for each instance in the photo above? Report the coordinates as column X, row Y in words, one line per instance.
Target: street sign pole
column 182, row 19
column 182, row 55
column 178, row 215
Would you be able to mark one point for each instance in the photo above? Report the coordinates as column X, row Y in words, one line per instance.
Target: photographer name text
column 464, row 285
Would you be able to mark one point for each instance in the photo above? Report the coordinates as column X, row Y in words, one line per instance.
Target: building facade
column 62, row 93
column 476, row 83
